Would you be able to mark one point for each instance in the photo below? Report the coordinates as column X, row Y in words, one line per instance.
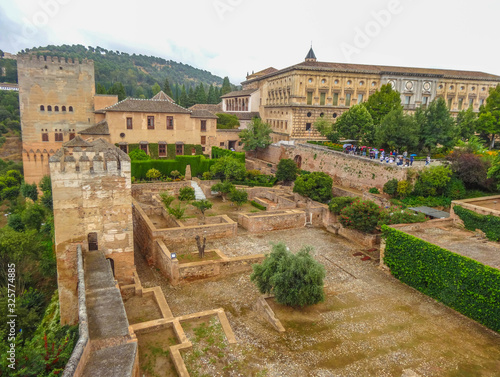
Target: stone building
column 91, row 186
column 291, row 99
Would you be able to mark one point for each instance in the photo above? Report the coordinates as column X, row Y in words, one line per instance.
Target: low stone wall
column 262, row 222
column 271, row 198
column 263, row 308
column 206, row 186
column 139, row 189
column 364, row 239
column 474, row 205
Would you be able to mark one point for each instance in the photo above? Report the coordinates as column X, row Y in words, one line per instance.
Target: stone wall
column 147, row 189
column 475, row 206
column 263, row 222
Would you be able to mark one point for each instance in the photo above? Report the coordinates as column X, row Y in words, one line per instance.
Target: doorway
column 92, row 239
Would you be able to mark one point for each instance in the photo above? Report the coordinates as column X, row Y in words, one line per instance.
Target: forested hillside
column 136, row 75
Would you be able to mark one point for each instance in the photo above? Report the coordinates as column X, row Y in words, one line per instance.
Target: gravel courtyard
column 369, row 325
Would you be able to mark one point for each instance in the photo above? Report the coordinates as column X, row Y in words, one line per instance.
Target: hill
column 137, row 73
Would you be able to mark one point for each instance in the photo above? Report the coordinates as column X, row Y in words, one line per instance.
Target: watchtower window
column 71, row 109
column 63, row 108
column 92, row 240
column 59, row 136
column 170, row 123
column 203, row 125
column 129, row 123
column 56, row 108
column 42, row 108
column 49, row 108
column 45, row 136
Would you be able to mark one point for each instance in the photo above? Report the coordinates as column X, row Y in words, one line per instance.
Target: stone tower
column 91, row 190
column 56, row 100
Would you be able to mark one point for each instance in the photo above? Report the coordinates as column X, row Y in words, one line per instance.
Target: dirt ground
column 369, row 325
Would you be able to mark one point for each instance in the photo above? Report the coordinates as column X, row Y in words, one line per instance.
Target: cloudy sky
column 233, row 37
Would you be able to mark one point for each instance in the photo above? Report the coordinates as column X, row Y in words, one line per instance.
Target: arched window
column 49, row 108
column 63, row 108
column 56, row 108
column 71, row 109
column 42, row 108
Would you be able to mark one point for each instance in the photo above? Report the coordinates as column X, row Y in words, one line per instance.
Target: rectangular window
column 124, row 148
column 309, row 98
column 322, row 97
column 481, row 102
column 45, row 137
column 221, row 144
column 460, row 103
column 348, row 99
column 151, row 122
column 178, row 149
column 59, row 136
column 129, row 123
column 407, row 100
column 170, row 123
column 360, row 98
column 203, row 140
column 450, row 101
column 308, row 126
column 335, row 99
column 471, row 102
column 162, row 150
column 144, row 147
column 425, row 101
column 203, row 125
column 71, row 136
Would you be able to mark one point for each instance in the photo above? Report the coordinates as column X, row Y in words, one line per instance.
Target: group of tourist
column 388, row 158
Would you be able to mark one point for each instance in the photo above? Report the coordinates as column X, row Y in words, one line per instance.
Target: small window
column 49, row 108
column 309, row 114
column 193, row 151
column 323, row 81
column 45, row 136
column 59, row 136
column 203, row 140
column 310, row 81
column 129, row 123
column 374, row 83
column 124, row 147
column 481, row 102
column 56, row 108
column 336, row 82
column 162, row 150
column 349, row 82
column 170, row 123
column 425, row 101
column 63, row 108
column 322, row 115
column 144, row 147
column 361, row 83
column 221, row 144
column 70, row 109
column 203, row 126
column 179, row 149
column 451, row 87
column 71, row 135
column 407, row 100
column 348, row 99
column 334, row 115
column 151, row 122
column 42, row 108
column 308, row 126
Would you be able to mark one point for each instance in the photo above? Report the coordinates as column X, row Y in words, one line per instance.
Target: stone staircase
column 198, row 192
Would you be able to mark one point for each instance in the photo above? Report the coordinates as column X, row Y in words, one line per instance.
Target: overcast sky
column 233, row 37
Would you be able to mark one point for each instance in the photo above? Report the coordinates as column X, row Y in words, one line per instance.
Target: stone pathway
column 198, row 192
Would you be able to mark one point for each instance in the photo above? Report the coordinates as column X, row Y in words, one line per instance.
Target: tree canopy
column 316, row 185
column 489, row 115
column 356, row 124
column 397, row 131
column 256, row 135
column 382, row 102
column 436, row 125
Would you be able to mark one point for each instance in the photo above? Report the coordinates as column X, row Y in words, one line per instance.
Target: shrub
column 186, row 194
column 177, row 211
column 174, row 174
column 153, row 174
column 338, row 203
column 257, row 205
column 239, row 197
column 15, row 222
column 461, row 283
column 287, row 170
column 433, row 181
column 429, row 201
column 253, row 174
column 206, row 176
column 471, row 169
column 455, row 189
column 202, row 205
column 398, row 215
column 374, row 190
column 489, row 224
column 138, row 155
column 391, row 187
column 166, row 198
column 362, row 215
column 229, row 168
column 223, row 188
column 295, row 280
column 404, row 188
column 317, row 186
column 29, row 191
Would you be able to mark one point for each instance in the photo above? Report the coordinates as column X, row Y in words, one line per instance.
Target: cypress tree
column 226, row 86
column 183, row 98
column 191, row 99
column 200, row 95
column 166, row 88
column 211, row 95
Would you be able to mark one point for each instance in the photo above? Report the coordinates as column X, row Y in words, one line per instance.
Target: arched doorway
column 92, row 239
column 298, row 161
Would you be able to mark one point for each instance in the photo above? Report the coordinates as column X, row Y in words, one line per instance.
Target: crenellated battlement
column 42, row 61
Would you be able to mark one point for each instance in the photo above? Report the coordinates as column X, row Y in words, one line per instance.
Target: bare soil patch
column 154, row 354
column 141, row 309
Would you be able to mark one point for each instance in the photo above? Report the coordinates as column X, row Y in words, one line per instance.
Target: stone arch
column 298, row 161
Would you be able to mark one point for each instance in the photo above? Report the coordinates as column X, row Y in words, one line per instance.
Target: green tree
column 356, row 124
column 287, row 170
column 33, row 216
column 436, row 125
column 382, row 102
column 156, row 88
column 256, row 135
column 186, row 194
column 30, row 191
column 223, row 188
column 397, row 131
column 226, row 86
column 166, row 199
column 295, row 280
column 494, row 171
column 138, row 155
column 191, row 97
column 212, row 96
column 118, row 89
column 433, row 181
column 153, row 174
column 183, row 98
column 489, row 115
column 227, row 121
column 177, row 211
column 362, row 215
column 166, row 88
column 202, row 205
column 200, row 94
column 327, row 129
column 238, row 197
column 229, row 169
column 466, row 124
column 317, row 186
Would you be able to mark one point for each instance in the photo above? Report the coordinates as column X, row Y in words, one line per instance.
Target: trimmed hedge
column 257, row 205
column 489, row 224
column 461, row 283
column 199, row 165
column 219, row 152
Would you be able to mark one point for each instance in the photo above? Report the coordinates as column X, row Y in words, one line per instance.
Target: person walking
column 411, row 160
column 428, row 160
